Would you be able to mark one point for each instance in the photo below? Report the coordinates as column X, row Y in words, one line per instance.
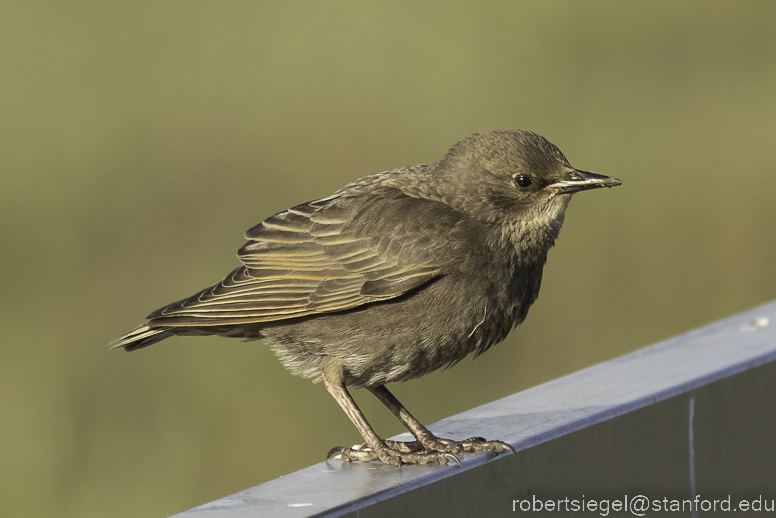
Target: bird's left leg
column 374, row 448
column 425, row 440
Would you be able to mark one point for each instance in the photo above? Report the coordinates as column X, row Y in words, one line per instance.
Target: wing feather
column 324, row 256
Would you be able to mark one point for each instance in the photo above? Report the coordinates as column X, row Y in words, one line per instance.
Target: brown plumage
column 396, row 275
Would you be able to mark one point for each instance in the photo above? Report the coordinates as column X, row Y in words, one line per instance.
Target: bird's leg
column 427, row 440
column 375, row 448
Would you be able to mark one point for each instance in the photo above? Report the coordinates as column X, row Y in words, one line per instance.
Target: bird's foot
column 391, row 456
column 434, row 443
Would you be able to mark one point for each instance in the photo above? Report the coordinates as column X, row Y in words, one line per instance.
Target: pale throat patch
column 545, row 223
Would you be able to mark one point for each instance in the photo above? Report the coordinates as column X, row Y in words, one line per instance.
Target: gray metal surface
column 640, row 380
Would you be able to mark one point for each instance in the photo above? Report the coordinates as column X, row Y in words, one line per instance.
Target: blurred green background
column 141, row 139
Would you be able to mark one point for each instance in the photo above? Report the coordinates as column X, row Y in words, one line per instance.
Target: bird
column 396, row 275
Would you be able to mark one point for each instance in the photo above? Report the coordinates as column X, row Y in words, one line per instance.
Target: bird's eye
column 522, row 181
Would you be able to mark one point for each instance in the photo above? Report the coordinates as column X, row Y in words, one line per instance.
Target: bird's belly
column 403, row 338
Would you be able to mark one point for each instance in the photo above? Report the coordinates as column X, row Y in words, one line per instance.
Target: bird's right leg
column 375, row 447
column 427, row 441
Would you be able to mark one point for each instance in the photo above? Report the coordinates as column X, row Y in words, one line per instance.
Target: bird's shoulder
column 388, row 214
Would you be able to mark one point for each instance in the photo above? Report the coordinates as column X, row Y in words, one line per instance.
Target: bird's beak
column 582, row 181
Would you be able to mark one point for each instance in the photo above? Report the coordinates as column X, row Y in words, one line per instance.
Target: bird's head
column 517, row 179
column 512, row 172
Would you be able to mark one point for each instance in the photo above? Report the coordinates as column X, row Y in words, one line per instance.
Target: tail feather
column 143, row 336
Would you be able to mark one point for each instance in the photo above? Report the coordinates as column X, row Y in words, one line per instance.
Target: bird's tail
column 143, row 336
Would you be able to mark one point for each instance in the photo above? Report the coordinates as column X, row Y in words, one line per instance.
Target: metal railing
column 690, row 420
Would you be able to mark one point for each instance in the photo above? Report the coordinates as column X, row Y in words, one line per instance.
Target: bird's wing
column 325, row 256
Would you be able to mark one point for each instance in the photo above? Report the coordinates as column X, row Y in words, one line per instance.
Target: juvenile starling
column 394, row 276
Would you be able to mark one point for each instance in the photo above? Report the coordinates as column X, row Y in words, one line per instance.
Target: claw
column 454, row 458
column 337, row 450
column 501, row 447
column 391, row 459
